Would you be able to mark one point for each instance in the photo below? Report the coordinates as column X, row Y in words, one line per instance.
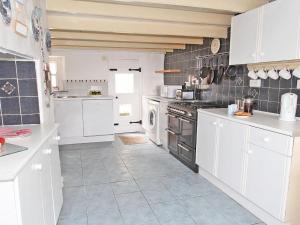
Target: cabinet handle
column 56, row 138
column 250, row 152
column 266, row 139
column 214, row 123
column 47, row 151
column 37, row 167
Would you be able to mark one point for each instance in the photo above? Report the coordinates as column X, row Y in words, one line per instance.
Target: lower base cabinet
column 36, row 192
column 266, row 179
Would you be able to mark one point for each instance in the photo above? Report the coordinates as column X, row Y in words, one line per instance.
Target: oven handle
column 171, row 132
column 184, row 148
column 170, row 115
column 177, row 111
column 184, row 120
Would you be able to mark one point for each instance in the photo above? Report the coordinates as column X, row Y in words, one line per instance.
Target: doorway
column 125, row 86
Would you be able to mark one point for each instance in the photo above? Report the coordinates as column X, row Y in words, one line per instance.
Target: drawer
column 270, row 140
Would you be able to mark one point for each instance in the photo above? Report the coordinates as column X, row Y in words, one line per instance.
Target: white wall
column 88, row 64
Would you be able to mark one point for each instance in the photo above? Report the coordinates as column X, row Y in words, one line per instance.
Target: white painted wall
column 89, row 64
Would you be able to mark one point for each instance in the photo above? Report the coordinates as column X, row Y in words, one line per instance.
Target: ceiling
column 140, row 25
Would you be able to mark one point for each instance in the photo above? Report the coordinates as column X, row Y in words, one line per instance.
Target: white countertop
column 11, row 165
column 160, row 99
column 101, row 97
column 267, row 121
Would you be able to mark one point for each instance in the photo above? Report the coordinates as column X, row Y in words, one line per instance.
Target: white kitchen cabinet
column 231, row 153
column 206, row 142
column 30, row 193
column 244, row 37
column 266, row 179
column 97, row 117
column 68, row 114
column 266, row 34
column 280, row 31
column 56, row 177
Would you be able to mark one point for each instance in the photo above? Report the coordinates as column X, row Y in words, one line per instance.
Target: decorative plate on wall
column 48, row 40
column 35, row 23
column 5, row 11
column 215, row 45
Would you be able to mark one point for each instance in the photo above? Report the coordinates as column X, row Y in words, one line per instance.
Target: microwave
column 169, row 91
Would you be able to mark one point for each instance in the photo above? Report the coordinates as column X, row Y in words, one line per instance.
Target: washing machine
column 153, row 122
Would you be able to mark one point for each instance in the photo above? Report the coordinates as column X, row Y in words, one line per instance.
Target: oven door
column 186, row 153
column 173, row 123
column 172, row 142
column 188, row 129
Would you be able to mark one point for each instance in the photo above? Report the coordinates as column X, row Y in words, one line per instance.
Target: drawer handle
column 56, row 138
column 266, row 139
column 184, row 120
column 37, row 167
column 47, row 151
column 184, row 148
column 171, row 132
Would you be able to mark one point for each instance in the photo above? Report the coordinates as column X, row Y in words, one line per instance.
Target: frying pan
column 207, row 73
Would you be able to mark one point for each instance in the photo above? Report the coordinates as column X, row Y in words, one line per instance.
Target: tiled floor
column 116, row 184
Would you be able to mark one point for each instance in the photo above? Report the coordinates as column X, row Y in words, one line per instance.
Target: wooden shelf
column 168, row 71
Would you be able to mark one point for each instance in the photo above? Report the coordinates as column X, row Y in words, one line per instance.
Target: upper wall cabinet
column 267, row 34
column 244, row 37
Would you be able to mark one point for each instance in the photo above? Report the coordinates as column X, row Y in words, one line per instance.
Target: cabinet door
column 97, row 117
column 56, row 177
column 231, row 151
column 266, row 180
column 206, row 142
column 280, row 31
column 68, row 113
column 30, row 193
column 46, row 183
column 244, row 37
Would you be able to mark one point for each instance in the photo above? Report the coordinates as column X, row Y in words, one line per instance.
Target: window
column 125, row 109
column 53, row 72
column 124, row 83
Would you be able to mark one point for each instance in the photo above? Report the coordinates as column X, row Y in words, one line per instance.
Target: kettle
column 288, row 107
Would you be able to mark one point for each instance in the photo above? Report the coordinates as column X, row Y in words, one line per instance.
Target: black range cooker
column 182, row 129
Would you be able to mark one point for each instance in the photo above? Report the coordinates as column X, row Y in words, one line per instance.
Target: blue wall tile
column 7, row 69
column 26, row 69
column 18, row 80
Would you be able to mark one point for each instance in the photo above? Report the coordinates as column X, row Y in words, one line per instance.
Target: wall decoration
column 35, row 23
column 215, row 45
column 21, row 28
column 5, row 11
column 47, row 84
column 48, row 40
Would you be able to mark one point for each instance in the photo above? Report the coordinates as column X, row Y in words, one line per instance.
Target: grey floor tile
column 82, row 220
column 156, row 196
column 172, row 213
column 125, row 187
column 154, row 183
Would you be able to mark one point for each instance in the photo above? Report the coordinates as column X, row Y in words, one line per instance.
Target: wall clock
column 215, row 45
column 5, row 11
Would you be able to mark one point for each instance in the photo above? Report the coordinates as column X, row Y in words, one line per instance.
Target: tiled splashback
column 267, row 97
column 18, row 93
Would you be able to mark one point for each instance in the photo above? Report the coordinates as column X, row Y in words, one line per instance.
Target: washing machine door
column 152, row 118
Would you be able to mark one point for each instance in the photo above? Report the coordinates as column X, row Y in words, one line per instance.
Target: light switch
column 255, row 83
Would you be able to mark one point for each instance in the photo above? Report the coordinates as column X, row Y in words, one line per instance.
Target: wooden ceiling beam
column 111, row 49
column 94, row 24
column 137, row 12
column 232, row 6
column 60, row 35
column 118, row 44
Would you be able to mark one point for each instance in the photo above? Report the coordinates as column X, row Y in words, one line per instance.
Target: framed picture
column 21, row 28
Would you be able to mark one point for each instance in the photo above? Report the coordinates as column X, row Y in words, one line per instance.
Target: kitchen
column 149, row 112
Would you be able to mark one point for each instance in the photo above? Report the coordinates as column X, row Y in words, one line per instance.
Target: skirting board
column 258, row 212
column 81, row 140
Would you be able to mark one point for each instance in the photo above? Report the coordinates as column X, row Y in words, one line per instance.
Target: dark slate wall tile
column 8, row 88
column 31, row 119
column 29, row 105
column 28, row 87
column 11, row 119
column 26, row 69
column 10, row 105
column 7, row 69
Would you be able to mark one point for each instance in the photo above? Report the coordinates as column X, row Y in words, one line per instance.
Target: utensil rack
column 216, row 60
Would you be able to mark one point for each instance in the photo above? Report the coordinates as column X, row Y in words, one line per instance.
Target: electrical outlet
column 255, row 83
column 298, row 84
